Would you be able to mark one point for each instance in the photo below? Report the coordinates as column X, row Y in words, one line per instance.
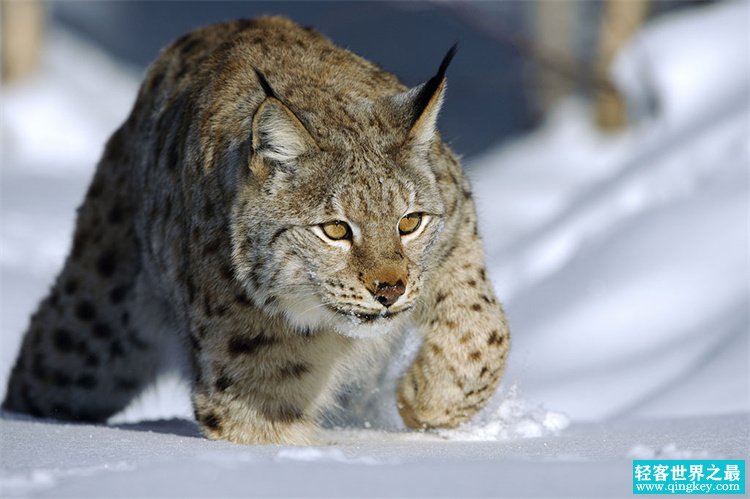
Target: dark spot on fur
column 197, row 375
column 156, row 81
column 222, row 383
column 295, row 370
column 107, row 263
column 61, row 411
column 211, row 247
column 38, row 368
column 71, row 286
column 96, row 188
column 306, row 332
column 482, row 274
column 227, row 273
column 465, row 338
column 476, row 307
column 115, row 215
column 243, row 24
column 242, row 345
column 85, row 311
column 92, row 360
column 116, row 350
column 284, row 413
column 173, row 154
column 116, row 148
column 54, row 300
column 495, row 338
column 60, row 379
column 91, row 414
column 86, row 381
column 435, row 349
column 414, row 385
column 270, row 300
column 31, row 406
column 79, row 242
column 167, row 212
column 451, row 324
column 208, row 210
column 483, row 371
column 221, row 309
column 471, row 282
column 276, row 235
column 190, row 290
column 440, row 297
column 62, row 340
column 188, row 43
column 18, row 368
column 207, row 305
column 211, row 421
column 101, row 330
column 242, row 299
column 36, row 338
column 475, row 355
column 194, row 344
column 449, row 252
column 118, row 294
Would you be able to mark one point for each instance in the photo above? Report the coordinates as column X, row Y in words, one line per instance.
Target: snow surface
column 622, row 261
column 166, row 458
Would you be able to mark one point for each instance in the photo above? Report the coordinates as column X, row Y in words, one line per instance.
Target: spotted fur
column 203, row 222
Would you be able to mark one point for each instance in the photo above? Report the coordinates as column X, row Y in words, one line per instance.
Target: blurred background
column 607, row 142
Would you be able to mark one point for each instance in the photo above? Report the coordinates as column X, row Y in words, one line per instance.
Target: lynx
column 287, row 209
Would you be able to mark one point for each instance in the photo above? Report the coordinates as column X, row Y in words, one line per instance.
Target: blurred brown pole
column 620, row 20
column 21, row 24
column 555, row 24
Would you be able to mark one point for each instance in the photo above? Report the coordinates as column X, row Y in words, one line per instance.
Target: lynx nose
column 387, row 294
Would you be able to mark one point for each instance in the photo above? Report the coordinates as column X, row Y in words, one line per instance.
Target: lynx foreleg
column 466, row 343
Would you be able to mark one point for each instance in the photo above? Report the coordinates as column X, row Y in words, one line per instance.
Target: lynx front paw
column 258, row 423
column 439, row 404
column 256, row 432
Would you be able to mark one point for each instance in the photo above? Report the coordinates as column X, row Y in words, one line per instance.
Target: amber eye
column 409, row 223
column 337, row 230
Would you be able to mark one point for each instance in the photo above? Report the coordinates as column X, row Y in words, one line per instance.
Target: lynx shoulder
column 285, row 208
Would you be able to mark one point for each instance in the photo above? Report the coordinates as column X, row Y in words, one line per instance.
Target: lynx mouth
column 368, row 325
column 367, row 318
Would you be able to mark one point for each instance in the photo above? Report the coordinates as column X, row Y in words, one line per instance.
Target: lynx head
column 338, row 220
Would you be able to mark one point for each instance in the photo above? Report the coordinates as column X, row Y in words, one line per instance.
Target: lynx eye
column 409, row 223
column 336, row 230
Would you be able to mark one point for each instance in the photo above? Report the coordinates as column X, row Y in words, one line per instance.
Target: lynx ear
column 278, row 134
column 422, row 104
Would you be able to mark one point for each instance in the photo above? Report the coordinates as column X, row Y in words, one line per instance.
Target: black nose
column 388, row 294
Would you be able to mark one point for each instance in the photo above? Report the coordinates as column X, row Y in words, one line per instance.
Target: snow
column 669, row 451
column 511, row 417
column 622, row 261
column 52, row 459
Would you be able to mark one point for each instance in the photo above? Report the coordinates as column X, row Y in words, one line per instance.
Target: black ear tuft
column 265, row 85
column 446, row 62
column 428, row 90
